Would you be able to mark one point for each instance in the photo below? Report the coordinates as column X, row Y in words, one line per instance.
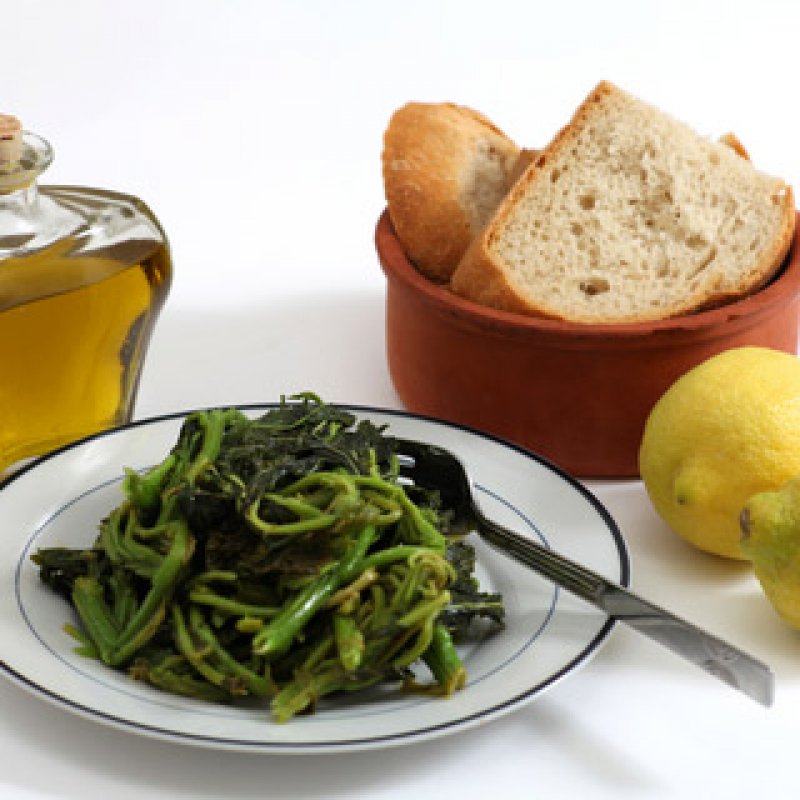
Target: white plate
column 60, row 499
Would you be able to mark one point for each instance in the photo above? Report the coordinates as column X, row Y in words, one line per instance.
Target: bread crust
column 477, row 276
column 769, row 264
column 480, row 278
column 428, row 152
column 732, row 140
column 524, row 159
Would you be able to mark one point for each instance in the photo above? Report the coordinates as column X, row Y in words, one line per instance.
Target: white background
column 253, row 129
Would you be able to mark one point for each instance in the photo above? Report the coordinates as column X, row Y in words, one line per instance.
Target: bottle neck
column 19, row 216
column 23, row 158
column 20, row 198
column 22, row 161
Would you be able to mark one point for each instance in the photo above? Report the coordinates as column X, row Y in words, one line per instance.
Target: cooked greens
column 277, row 558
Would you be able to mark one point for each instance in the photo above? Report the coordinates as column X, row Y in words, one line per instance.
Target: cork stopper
column 10, row 141
column 23, row 155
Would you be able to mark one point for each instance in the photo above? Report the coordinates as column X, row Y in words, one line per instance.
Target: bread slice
column 445, row 169
column 629, row 216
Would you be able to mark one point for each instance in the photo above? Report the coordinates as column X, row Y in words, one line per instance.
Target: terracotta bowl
column 576, row 394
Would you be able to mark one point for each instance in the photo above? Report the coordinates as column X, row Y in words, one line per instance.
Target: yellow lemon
column 724, row 431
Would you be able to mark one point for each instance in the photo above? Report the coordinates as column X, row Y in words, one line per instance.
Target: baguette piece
column 445, row 170
column 629, row 216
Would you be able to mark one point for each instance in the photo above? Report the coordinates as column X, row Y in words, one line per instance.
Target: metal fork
column 436, row 468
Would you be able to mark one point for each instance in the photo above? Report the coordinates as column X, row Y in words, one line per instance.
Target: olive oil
column 83, row 276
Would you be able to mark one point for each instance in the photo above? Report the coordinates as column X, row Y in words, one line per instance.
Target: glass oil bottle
column 84, row 274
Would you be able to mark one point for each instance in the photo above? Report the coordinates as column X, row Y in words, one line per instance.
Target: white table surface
column 254, row 130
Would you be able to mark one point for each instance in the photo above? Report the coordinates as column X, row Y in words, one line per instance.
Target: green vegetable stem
column 276, row 558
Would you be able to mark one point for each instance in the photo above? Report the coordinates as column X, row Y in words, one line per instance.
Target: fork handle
column 720, row 659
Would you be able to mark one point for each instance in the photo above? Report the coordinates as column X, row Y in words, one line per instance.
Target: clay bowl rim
column 396, row 265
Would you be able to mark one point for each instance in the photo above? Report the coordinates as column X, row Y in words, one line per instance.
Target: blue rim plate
column 60, row 498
